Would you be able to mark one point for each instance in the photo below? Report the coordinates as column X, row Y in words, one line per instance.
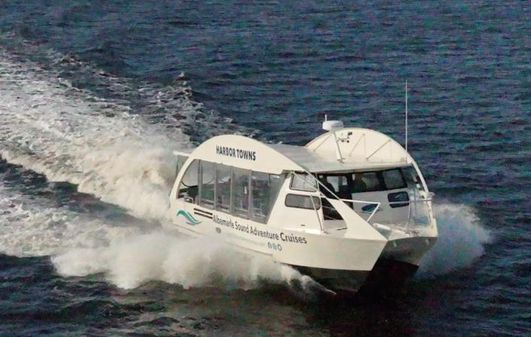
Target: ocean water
column 95, row 96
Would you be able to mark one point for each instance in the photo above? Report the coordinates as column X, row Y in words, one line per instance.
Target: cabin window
column 393, row 179
column 208, row 183
column 232, row 190
column 366, row 182
column 412, row 178
column 398, row 199
column 223, row 188
column 338, row 184
column 303, row 182
column 264, row 190
column 188, row 187
column 303, row 201
column 240, row 192
column 180, row 163
column 329, row 211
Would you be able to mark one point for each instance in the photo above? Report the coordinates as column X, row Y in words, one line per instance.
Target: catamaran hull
column 398, row 263
column 408, row 250
column 339, row 281
column 337, row 262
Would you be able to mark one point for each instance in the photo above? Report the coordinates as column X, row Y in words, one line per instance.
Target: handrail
column 337, row 197
column 378, row 149
column 410, row 200
column 313, row 204
column 373, row 212
column 377, row 203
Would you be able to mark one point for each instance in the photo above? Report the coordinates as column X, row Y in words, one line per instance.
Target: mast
column 406, row 118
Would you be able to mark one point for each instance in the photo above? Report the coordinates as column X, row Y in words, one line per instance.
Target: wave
column 68, row 135
column 31, row 226
column 131, row 252
column 51, row 127
column 461, row 241
column 111, row 136
column 133, row 261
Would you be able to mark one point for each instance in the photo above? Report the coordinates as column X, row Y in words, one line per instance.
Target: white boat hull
column 340, row 262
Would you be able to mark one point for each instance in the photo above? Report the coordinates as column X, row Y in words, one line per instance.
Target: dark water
column 97, row 76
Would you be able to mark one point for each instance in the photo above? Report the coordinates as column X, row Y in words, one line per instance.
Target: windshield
column 345, row 184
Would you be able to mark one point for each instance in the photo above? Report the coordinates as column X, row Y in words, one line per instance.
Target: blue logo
column 189, row 217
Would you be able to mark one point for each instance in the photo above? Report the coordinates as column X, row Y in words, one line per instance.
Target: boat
column 349, row 205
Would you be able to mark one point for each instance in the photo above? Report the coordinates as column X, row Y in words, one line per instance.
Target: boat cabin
column 343, row 176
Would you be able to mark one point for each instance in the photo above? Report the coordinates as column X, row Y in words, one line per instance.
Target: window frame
column 217, row 206
column 200, row 189
column 181, row 183
column 294, row 175
column 318, row 203
column 232, row 189
column 404, row 183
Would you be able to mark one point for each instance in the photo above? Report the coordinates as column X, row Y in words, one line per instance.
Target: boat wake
column 129, row 252
column 67, row 134
column 135, row 260
column 51, row 127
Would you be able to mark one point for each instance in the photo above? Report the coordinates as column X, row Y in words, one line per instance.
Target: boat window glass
column 180, row 163
column 393, row 179
column 276, row 182
column 412, row 178
column 366, row 182
column 188, row 187
column 264, row 189
column 329, row 211
column 329, row 185
column 303, row 201
column 208, row 182
column 338, row 184
column 223, row 188
column 303, row 182
column 240, row 192
column 398, row 199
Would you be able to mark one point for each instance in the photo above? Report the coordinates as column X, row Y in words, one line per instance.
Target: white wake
column 133, row 261
column 50, row 127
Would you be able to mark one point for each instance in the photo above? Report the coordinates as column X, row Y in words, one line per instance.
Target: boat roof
column 347, row 149
column 316, row 163
column 184, row 152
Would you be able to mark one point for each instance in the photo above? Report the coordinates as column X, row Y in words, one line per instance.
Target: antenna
column 406, row 117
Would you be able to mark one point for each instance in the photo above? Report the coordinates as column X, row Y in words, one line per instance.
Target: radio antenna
column 406, row 117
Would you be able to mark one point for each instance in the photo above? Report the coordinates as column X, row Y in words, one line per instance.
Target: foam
column 461, row 241
column 135, row 260
column 50, row 127
column 68, row 135
column 128, row 253
column 31, row 227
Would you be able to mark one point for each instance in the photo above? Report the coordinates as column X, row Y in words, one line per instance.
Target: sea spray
column 133, row 261
column 129, row 251
column 461, row 240
column 67, row 134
